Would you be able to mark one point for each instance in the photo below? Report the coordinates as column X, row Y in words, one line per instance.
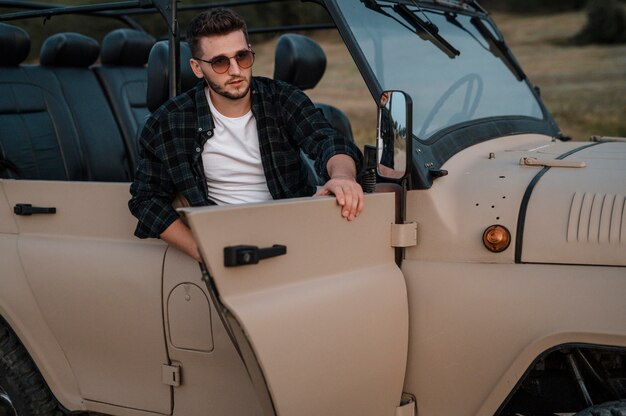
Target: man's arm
column 342, row 171
column 180, row 236
column 334, row 154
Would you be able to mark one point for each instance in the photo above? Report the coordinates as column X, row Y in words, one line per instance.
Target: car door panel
column 7, row 223
column 327, row 322
column 98, row 287
column 215, row 381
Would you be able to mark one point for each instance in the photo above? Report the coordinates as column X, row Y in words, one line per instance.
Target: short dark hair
column 214, row 22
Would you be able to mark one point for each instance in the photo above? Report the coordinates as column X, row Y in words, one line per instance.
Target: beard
column 230, row 94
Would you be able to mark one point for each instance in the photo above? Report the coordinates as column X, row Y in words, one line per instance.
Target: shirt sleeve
column 153, row 189
column 314, row 134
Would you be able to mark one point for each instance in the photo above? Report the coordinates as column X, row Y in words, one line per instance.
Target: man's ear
column 195, row 67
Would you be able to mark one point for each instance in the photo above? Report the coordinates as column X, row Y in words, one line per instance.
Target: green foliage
column 606, row 23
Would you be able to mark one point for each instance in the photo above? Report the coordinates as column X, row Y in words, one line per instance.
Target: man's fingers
column 341, row 198
column 357, row 200
column 349, row 196
column 348, row 205
column 322, row 192
column 361, row 201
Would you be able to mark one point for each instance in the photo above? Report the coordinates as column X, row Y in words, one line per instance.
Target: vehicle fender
column 517, row 371
column 20, row 310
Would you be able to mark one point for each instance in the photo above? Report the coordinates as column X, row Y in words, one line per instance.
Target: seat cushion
column 14, row 45
column 126, row 47
column 158, row 73
column 69, row 50
column 299, row 61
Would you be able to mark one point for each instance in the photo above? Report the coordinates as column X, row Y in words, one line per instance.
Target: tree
column 606, row 23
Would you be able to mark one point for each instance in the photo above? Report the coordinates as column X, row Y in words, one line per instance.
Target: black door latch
column 28, row 209
column 242, row 255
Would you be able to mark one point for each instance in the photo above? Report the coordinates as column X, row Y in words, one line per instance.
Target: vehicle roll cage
column 123, row 10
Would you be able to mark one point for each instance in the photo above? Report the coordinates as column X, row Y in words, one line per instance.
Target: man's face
column 235, row 82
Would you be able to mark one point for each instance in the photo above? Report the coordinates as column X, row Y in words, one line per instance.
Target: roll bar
column 122, row 10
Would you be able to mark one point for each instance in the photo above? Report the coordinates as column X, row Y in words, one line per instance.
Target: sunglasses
column 221, row 64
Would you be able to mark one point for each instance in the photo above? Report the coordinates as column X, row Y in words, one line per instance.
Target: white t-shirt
column 232, row 160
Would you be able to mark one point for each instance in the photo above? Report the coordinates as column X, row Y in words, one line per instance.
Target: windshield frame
column 445, row 143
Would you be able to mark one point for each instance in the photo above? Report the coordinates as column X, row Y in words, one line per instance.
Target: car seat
column 159, row 73
column 124, row 79
column 301, row 62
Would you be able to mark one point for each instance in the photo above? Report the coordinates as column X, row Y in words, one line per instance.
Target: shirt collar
column 256, row 98
column 204, row 121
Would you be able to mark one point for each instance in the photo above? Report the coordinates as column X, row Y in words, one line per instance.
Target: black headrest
column 14, row 45
column 158, row 73
column 299, row 61
column 69, row 49
column 126, row 47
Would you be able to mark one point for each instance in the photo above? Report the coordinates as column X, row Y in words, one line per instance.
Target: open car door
column 323, row 328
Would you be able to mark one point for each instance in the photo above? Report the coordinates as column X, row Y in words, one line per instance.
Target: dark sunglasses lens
column 245, row 59
column 220, row 64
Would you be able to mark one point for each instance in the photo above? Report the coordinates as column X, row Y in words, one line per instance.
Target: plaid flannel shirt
column 172, row 140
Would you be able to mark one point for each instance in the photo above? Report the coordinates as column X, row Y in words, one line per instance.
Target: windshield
column 452, row 72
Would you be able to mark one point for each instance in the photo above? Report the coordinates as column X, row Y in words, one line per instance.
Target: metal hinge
column 407, row 406
column 553, row 163
column 404, row 235
column 170, row 375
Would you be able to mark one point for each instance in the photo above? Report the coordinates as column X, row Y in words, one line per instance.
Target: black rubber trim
column 450, row 141
column 521, row 219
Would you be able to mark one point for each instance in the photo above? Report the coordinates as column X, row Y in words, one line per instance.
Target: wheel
column 616, row 408
column 23, row 392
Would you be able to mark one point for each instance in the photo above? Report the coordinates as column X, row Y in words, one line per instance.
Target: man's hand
column 343, row 185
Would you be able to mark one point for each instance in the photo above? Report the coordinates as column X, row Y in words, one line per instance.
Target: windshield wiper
column 499, row 49
column 426, row 30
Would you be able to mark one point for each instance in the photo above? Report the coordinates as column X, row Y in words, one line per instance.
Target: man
column 234, row 139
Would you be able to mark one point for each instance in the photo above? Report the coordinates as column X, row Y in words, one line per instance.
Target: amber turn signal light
column 496, row 238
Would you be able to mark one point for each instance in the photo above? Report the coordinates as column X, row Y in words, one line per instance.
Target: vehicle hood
column 559, row 215
column 577, row 215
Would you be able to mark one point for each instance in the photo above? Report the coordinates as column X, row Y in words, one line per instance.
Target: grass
column 583, row 87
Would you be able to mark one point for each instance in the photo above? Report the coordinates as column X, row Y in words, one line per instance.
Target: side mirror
column 394, row 135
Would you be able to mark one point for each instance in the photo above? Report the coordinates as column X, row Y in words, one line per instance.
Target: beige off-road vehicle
column 486, row 275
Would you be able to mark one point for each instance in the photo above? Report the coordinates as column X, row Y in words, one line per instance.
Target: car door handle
column 28, row 209
column 242, row 255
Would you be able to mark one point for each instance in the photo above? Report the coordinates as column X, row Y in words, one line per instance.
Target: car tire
column 23, row 391
column 616, row 408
